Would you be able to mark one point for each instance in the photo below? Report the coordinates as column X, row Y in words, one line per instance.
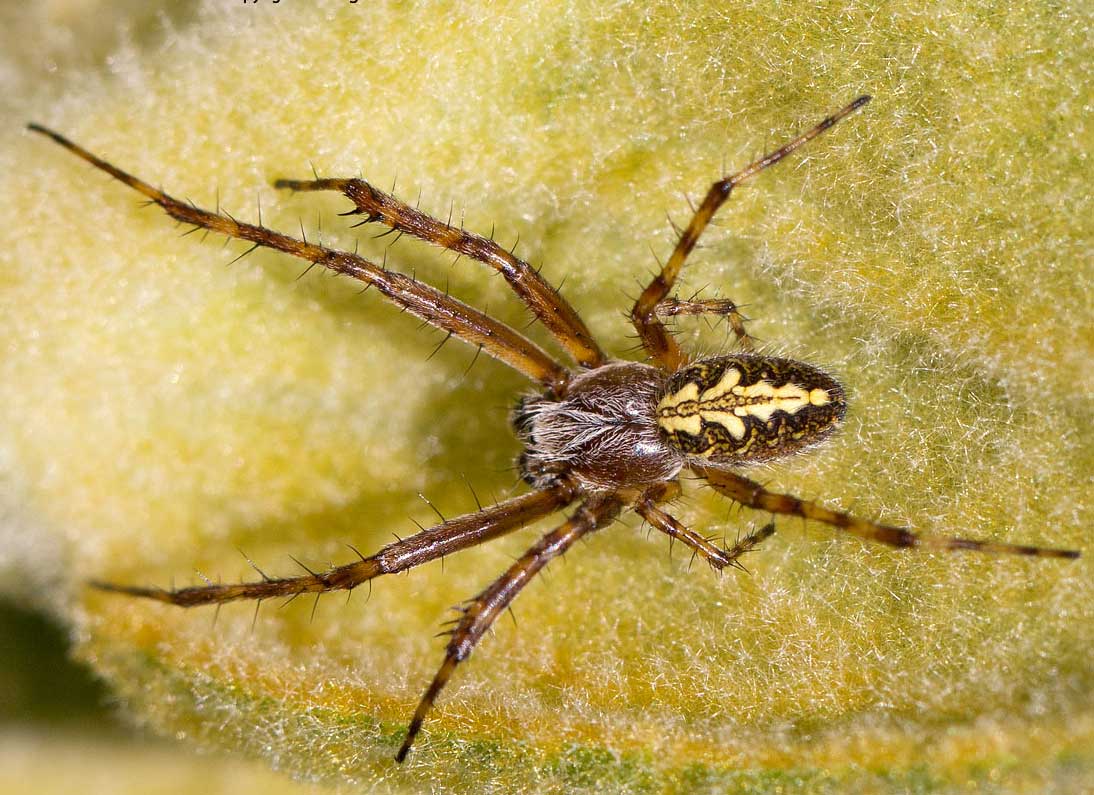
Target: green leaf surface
column 162, row 411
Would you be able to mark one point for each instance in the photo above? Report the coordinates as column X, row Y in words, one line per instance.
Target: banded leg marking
column 546, row 303
column 479, row 613
column 419, row 299
column 660, row 345
column 668, row 524
column 752, row 494
column 444, row 539
column 673, row 307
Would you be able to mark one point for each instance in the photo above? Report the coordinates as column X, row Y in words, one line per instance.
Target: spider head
column 602, row 433
column 748, row 408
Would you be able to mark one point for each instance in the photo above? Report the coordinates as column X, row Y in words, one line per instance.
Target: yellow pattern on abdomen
column 724, row 412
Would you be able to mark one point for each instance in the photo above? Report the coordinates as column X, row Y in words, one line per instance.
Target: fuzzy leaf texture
column 162, row 411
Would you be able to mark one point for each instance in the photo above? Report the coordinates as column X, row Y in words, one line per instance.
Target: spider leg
column 655, row 338
column 717, row 557
column 479, row 613
column 443, row 539
column 545, row 301
column 752, row 494
column 421, row 300
column 672, row 307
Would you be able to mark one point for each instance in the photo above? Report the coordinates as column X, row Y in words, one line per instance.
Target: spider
column 609, row 435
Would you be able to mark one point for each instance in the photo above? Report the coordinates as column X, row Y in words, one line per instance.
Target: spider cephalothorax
column 610, row 435
column 627, row 425
column 603, row 433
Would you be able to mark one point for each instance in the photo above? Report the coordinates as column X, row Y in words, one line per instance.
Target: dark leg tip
column 38, row 128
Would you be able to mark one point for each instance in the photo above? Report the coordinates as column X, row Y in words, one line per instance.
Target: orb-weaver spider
column 612, row 435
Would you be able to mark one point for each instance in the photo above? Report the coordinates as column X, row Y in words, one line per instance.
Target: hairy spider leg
column 718, row 558
column 749, row 493
column 417, row 298
column 545, row 302
column 435, row 542
column 479, row 613
column 674, row 307
column 659, row 344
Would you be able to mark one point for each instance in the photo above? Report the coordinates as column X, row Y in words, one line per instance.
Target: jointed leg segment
column 598, row 509
column 718, row 558
column 544, row 300
column 479, row 613
column 747, row 492
column 421, row 300
column 673, row 307
column 444, row 539
column 655, row 338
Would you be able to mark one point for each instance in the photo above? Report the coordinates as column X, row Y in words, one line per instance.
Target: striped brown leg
column 747, row 492
column 674, row 307
column 660, row 345
column 421, row 300
column 479, row 613
column 443, row 539
column 718, row 558
column 545, row 302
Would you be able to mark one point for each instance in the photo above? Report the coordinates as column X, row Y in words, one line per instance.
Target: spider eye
column 748, row 408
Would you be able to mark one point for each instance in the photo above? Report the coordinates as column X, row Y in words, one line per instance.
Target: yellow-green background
column 162, row 410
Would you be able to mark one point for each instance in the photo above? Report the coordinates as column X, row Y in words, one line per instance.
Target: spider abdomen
column 603, row 433
column 748, row 408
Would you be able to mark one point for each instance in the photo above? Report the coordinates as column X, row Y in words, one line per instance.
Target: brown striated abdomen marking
column 748, row 407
